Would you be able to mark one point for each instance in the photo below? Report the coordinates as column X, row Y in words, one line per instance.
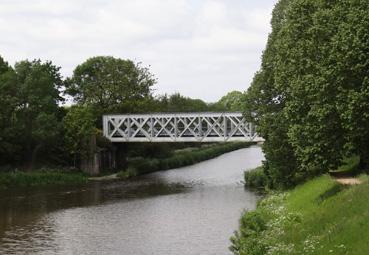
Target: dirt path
column 348, row 181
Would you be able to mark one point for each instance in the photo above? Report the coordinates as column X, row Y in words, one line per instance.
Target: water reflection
column 192, row 210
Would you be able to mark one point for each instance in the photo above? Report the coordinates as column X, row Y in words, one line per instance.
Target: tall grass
column 40, row 178
column 182, row 158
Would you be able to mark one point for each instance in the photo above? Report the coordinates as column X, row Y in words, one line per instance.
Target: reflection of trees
column 19, row 208
column 23, row 207
column 27, row 222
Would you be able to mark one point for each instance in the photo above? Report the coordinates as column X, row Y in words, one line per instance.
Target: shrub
column 256, row 178
column 349, row 167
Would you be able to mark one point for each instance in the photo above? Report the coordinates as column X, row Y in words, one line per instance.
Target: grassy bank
column 317, row 217
column 40, row 178
column 180, row 159
column 257, row 179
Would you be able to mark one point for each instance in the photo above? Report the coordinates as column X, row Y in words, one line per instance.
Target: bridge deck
column 179, row 127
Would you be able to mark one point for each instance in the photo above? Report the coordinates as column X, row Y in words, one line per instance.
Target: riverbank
column 41, row 178
column 320, row 216
column 180, row 158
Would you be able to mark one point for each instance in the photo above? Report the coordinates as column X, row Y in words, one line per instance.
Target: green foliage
column 79, row 127
column 350, row 166
column 256, row 178
column 40, row 178
column 264, row 106
column 318, row 217
column 110, row 84
column 29, row 110
column 233, row 101
column 310, row 97
column 9, row 148
column 33, row 123
column 178, row 103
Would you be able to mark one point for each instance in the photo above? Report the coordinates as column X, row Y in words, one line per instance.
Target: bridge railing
column 179, row 127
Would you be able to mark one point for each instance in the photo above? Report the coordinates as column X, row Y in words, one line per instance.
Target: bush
column 256, row 178
column 349, row 167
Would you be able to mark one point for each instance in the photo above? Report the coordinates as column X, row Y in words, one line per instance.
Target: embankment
column 320, row 216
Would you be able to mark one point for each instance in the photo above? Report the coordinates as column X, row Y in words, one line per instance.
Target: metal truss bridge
column 179, row 127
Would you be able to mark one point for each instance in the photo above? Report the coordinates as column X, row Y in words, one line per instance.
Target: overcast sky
column 200, row 48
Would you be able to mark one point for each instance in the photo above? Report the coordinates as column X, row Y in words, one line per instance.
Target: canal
column 191, row 210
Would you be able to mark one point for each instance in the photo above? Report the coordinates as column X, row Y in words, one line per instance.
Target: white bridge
column 179, row 127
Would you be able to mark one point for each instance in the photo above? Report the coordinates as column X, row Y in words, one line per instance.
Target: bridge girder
column 179, row 127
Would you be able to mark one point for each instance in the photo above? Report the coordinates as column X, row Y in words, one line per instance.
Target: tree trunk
column 34, row 156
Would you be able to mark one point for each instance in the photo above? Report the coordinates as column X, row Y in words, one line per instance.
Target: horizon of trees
column 36, row 129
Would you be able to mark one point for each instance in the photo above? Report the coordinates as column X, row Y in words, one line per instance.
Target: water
column 191, row 210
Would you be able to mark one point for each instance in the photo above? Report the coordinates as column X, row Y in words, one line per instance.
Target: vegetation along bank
column 320, row 216
column 40, row 178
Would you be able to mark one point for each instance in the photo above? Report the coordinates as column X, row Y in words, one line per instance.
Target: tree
column 233, row 101
column 37, row 109
column 178, row 103
column 264, row 104
column 310, row 98
column 350, row 53
column 9, row 101
column 110, row 84
column 78, row 127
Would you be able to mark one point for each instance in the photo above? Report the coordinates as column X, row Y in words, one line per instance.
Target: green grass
column 318, row 217
column 40, row 178
column 180, row 159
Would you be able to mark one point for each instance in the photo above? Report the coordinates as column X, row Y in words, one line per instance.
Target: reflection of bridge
column 179, row 127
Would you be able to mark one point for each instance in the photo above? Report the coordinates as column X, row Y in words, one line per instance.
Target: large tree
column 9, row 100
column 110, row 84
column 264, row 106
column 310, row 98
column 36, row 115
column 233, row 101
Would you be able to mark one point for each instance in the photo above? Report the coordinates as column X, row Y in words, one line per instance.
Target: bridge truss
column 179, row 127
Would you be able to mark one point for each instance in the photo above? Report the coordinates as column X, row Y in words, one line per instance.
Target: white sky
column 200, row 48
